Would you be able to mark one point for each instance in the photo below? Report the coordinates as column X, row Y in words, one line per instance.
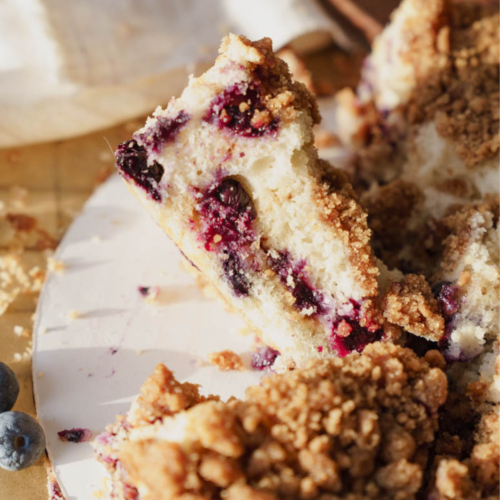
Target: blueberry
column 231, row 193
column 22, row 440
column 9, row 388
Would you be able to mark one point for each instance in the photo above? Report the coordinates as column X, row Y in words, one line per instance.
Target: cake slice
column 358, row 427
column 230, row 173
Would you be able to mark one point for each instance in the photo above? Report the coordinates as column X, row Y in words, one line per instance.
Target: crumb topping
column 338, row 206
column 467, row 224
column 476, row 476
column 282, row 96
column 358, row 426
column 412, row 305
column 162, row 396
column 390, row 209
column 226, row 361
column 463, row 94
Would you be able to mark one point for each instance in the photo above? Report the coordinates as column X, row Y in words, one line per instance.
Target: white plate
column 91, row 366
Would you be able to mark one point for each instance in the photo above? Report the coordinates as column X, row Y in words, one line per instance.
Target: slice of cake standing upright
column 230, row 173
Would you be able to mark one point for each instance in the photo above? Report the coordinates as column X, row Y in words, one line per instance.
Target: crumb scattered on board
column 226, row 361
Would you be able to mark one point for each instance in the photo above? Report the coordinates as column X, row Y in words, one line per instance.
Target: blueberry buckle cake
column 359, row 427
column 230, row 173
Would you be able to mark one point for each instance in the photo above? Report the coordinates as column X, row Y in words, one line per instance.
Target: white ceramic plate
column 87, row 370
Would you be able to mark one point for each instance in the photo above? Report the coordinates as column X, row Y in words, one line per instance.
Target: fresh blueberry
column 9, row 388
column 22, row 440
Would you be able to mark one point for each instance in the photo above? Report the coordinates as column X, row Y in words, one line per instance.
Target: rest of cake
column 230, row 173
column 353, row 428
column 424, row 122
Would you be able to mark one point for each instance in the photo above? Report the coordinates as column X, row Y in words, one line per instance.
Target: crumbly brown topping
column 390, row 209
column 464, row 226
column 297, row 67
column 282, row 96
column 162, row 395
column 351, row 428
column 459, row 86
column 475, row 477
column 412, row 305
column 337, row 204
column 226, row 361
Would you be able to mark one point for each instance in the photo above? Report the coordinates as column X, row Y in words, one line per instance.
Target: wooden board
column 58, row 177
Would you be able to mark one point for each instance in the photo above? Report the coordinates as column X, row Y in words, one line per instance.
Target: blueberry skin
column 9, row 388
column 22, row 440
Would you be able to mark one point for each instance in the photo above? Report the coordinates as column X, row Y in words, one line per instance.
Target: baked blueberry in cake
column 230, row 172
column 359, row 427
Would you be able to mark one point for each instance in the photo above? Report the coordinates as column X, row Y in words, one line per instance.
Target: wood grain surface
column 58, row 178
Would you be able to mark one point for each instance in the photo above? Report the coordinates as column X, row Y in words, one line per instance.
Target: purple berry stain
column 349, row 336
column 447, row 300
column 446, row 295
column 240, row 108
column 164, row 130
column 55, row 492
column 77, row 435
column 227, row 215
column 293, row 276
column 264, row 358
column 132, row 163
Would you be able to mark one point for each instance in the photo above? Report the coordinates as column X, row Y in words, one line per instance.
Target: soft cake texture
column 468, row 289
column 358, row 427
column 230, row 172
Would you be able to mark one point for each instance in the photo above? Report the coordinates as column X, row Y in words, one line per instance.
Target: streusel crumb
column 463, row 96
column 390, row 209
column 475, row 477
column 463, row 227
column 226, row 361
column 412, row 305
column 351, row 428
column 162, row 396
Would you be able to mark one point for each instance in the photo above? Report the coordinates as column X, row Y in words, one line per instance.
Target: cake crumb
column 226, row 361
column 74, row 314
column 53, row 488
column 41, row 375
column 21, row 331
column 56, row 266
column 150, row 293
column 411, row 305
column 76, row 435
column 244, row 331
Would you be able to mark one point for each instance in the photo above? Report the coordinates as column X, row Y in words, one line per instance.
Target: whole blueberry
column 9, row 388
column 22, row 440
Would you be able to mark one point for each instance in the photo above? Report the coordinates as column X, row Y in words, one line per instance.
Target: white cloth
column 69, row 67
